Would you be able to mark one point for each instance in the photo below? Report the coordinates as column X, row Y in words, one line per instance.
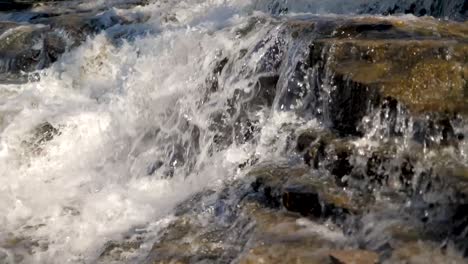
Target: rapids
column 159, row 103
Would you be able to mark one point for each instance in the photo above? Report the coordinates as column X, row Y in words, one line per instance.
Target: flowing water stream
column 165, row 100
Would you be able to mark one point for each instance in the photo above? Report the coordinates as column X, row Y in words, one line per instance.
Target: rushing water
column 135, row 124
column 120, row 109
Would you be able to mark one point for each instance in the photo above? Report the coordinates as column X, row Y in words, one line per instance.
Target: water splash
column 141, row 116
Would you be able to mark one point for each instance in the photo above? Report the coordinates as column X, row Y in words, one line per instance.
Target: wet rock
column 456, row 9
column 294, row 253
column 418, row 253
column 187, row 241
column 380, row 165
column 434, row 182
column 356, row 67
column 80, row 25
column 354, row 256
column 28, row 47
column 353, row 70
column 168, row 248
column 116, row 251
column 240, row 227
column 20, row 248
column 428, row 83
column 279, row 237
column 350, row 103
column 307, row 194
column 43, row 133
column 435, row 131
column 212, row 80
column 40, row 135
column 326, row 150
column 248, row 223
column 203, row 233
column 39, row 40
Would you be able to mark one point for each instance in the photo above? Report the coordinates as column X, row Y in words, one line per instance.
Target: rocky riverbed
column 244, row 132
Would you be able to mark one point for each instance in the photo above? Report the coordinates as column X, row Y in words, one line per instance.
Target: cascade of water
column 145, row 106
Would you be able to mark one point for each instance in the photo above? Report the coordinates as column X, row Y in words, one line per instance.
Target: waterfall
column 114, row 115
